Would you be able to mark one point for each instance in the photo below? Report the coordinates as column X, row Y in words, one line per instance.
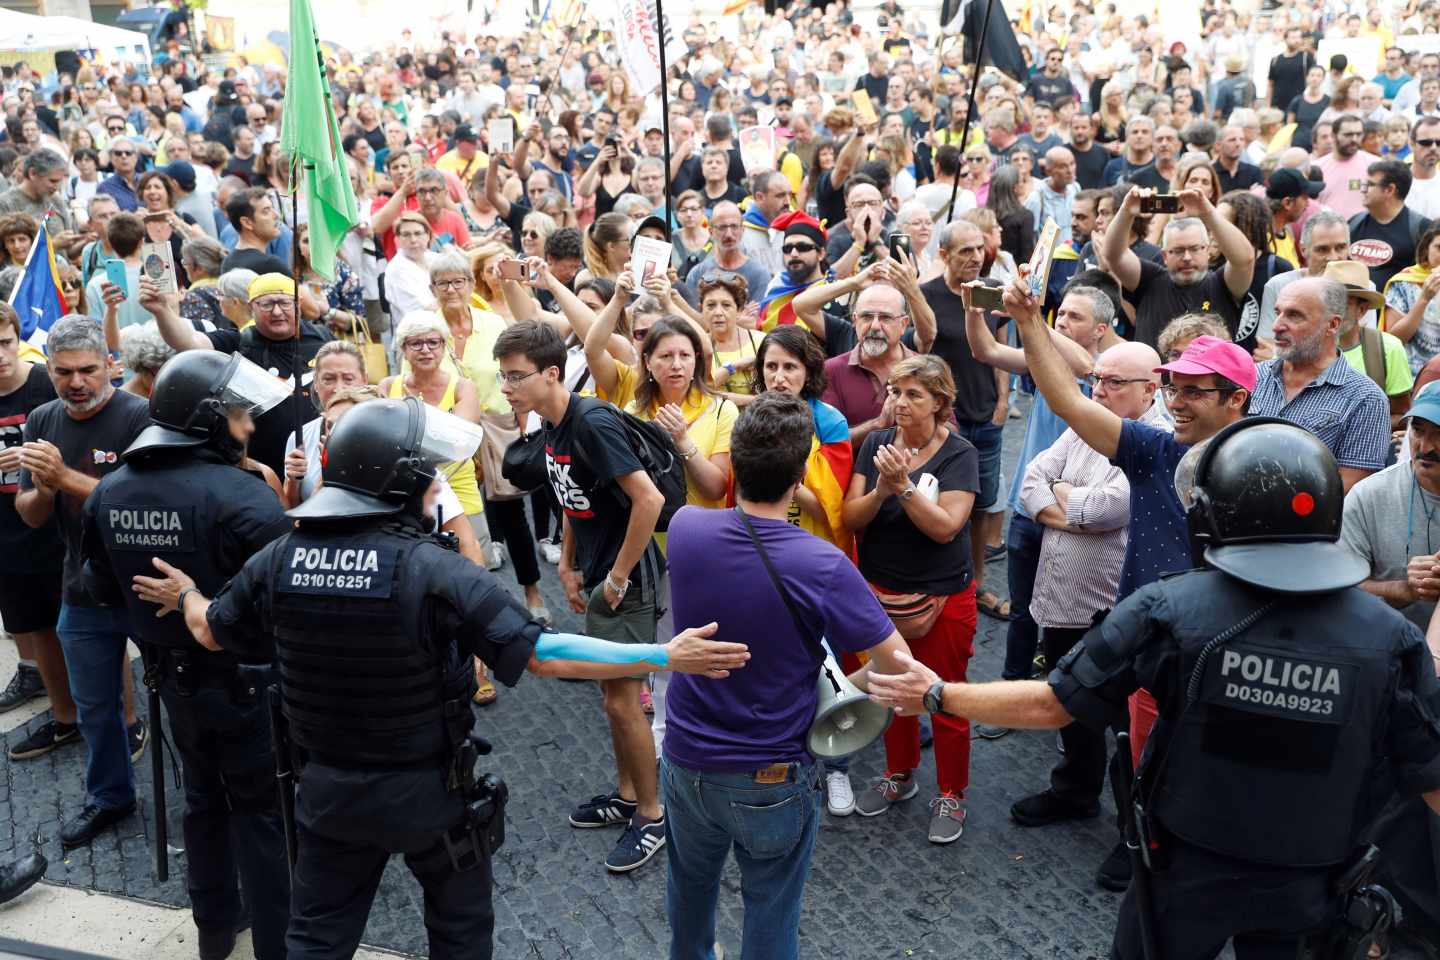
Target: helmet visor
column 447, row 438
column 1185, row 473
column 250, row 387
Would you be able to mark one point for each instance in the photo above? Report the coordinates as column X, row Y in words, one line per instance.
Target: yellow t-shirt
column 452, row 162
column 460, row 473
column 741, row 381
column 711, row 419
column 1283, row 245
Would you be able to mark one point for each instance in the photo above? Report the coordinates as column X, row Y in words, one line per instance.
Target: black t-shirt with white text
column 92, row 447
column 585, row 453
column 1389, row 247
column 25, row 549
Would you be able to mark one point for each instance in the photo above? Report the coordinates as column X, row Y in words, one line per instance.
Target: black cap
column 467, row 133
column 1287, row 182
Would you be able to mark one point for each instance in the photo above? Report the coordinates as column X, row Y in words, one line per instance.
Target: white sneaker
column 550, row 552
column 839, row 797
column 497, row 557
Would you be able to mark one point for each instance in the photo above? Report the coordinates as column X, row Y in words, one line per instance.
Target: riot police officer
column 373, row 623
column 182, row 496
column 1281, row 689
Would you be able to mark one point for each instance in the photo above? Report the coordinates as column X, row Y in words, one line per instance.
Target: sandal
column 485, row 692
column 992, row 606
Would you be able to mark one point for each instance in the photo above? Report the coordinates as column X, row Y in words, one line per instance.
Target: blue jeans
column 93, row 639
column 988, row 440
column 772, row 828
column 1022, row 561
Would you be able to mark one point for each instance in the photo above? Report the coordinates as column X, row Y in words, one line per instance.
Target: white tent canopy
column 26, row 33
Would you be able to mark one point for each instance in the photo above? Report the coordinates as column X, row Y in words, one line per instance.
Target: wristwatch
column 907, row 493
column 934, row 699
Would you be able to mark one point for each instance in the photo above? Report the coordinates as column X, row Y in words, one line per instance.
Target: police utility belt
column 193, row 671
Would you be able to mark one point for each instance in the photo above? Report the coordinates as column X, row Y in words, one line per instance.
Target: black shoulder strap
column 805, row 631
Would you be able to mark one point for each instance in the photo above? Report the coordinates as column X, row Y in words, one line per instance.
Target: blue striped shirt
column 1342, row 406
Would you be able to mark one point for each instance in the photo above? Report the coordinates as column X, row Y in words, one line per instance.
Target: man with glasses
column 1409, row 94
column 124, row 156
column 1391, row 228
column 1345, row 168
column 727, row 256
column 1310, row 384
column 270, row 342
column 1185, row 283
column 868, row 220
column 1206, row 390
column 1424, row 195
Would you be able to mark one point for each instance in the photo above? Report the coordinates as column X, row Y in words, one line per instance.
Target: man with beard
column 1325, row 239
column 1424, row 195
column 1310, row 384
column 270, row 341
column 1345, row 169
column 1185, row 283
column 859, row 381
column 554, row 156
column 802, row 246
column 70, row 444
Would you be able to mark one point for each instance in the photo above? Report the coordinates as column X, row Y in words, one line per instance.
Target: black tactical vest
column 1271, row 762
column 176, row 506
column 361, row 686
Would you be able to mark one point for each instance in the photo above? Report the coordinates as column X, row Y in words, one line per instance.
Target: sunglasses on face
column 1427, row 143
column 790, row 248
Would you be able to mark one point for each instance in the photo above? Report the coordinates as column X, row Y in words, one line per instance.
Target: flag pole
column 297, row 169
column 970, row 108
column 664, row 107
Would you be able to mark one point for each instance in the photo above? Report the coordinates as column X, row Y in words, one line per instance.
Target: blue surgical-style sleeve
column 574, row 646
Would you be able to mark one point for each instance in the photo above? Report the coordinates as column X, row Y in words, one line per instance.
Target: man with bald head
column 1082, row 503
column 1055, row 197
column 729, row 256
column 1309, row 383
column 858, row 381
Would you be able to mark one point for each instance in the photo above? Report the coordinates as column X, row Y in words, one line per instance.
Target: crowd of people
column 1239, row 229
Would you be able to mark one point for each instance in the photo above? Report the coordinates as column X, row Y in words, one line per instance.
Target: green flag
column 310, row 136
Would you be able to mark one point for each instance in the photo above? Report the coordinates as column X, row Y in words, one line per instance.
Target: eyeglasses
column 532, row 234
column 1112, row 383
column 1195, row 250
column 513, row 379
column 1193, row 394
column 878, row 317
column 122, row 153
column 1427, row 143
column 432, row 345
column 271, row 304
column 457, row 284
column 790, row 248
column 430, row 191
column 862, row 204
column 118, row 128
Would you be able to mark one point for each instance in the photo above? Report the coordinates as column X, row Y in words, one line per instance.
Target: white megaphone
column 846, row 719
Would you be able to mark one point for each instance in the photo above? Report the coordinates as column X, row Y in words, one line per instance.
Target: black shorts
column 30, row 601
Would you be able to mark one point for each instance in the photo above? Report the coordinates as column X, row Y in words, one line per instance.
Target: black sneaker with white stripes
column 606, row 810
column 636, row 846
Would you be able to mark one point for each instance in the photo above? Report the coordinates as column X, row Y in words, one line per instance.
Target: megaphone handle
column 825, row 666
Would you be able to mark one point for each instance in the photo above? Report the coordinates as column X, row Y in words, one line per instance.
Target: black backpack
column 658, row 457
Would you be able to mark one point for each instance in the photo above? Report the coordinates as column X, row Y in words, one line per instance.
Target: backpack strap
column 1372, row 348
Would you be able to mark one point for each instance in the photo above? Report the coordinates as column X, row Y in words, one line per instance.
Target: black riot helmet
column 1267, row 506
column 192, row 399
column 381, row 456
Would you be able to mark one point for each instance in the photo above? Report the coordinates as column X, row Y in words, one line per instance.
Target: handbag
column 377, row 362
column 523, row 462
column 501, row 431
column 914, row 614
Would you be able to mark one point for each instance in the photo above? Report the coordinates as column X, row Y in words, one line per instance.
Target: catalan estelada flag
column 827, row 474
column 735, row 6
column 37, row 297
column 775, row 308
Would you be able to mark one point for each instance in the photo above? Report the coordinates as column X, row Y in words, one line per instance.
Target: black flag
column 967, row 17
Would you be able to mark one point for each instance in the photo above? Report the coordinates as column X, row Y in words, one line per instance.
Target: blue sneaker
column 637, row 845
column 605, row 810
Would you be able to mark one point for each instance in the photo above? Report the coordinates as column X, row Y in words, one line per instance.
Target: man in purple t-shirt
column 736, row 770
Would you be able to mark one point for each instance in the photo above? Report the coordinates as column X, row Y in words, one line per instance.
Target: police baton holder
column 161, row 836
column 1132, row 818
column 284, row 769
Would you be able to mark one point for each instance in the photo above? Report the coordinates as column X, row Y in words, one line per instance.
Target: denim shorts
column 987, row 439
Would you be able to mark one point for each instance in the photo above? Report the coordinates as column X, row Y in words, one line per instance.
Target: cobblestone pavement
column 878, row 888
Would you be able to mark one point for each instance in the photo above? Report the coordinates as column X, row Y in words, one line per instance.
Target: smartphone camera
column 900, row 248
column 1160, row 203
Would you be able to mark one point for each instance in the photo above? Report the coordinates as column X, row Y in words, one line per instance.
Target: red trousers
column 946, row 649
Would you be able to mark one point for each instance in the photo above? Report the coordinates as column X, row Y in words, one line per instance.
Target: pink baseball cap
column 1220, row 357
